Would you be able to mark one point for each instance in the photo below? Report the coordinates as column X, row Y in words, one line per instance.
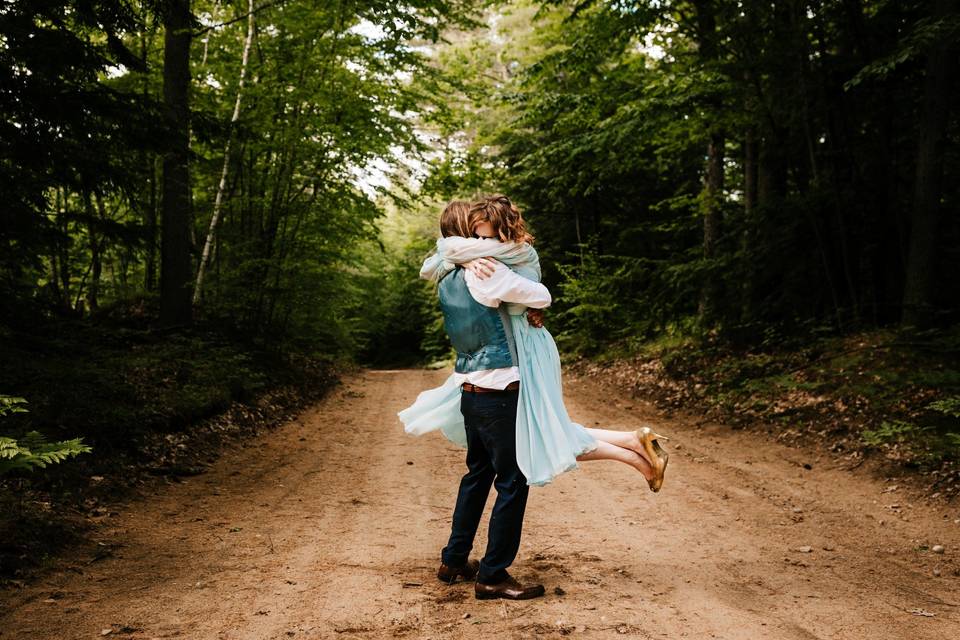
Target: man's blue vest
column 481, row 335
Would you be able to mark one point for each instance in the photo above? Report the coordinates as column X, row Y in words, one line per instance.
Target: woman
column 548, row 442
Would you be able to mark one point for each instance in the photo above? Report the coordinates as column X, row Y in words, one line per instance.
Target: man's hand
column 483, row 268
column 535, row 318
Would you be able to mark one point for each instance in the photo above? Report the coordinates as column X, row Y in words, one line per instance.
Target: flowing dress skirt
column 548, row 442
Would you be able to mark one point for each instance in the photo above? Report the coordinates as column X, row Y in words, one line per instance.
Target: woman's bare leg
column 608, row 451
column 624, row 439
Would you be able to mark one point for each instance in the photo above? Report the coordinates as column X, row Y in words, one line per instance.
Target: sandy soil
column 331, row 526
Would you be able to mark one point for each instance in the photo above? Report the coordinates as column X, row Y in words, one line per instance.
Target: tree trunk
column 62, row 251
column 175, row 268
column 750, row 165
column 712, row 200
column 150, row 269
column 921, row 260
column 149, row 162
column 712, row 195
column 102, row 215
column 96, row 264
column 218, row 201
column 748, row 238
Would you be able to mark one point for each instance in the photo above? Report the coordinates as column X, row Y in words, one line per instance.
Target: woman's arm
column 476, row 254
column 455, row 250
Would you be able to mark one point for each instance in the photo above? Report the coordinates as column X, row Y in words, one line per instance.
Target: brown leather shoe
column 467, row 572
column 509, row 589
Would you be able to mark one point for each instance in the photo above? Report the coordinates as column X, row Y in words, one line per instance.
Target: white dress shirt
column 505, row 285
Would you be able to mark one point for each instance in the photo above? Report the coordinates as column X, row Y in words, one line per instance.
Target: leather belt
column 472, row 388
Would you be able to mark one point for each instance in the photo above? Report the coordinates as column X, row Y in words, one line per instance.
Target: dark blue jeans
column 491, row 426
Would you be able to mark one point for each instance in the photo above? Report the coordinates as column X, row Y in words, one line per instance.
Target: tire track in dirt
column 331, row 526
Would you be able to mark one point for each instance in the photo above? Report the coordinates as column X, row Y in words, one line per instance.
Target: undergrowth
column 888, row 391
column 146, row 401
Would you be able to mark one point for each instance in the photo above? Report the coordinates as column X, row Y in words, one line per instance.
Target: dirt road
column 330, row 527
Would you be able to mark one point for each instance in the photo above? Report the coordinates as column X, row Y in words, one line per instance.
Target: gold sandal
column 648, row 438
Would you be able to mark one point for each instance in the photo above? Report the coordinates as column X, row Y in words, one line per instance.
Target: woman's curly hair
column 503, row 215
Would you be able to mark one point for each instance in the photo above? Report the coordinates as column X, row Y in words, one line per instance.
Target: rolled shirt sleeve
column 505, row 285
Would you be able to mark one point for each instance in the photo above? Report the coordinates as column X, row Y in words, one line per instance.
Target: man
column 486, row 362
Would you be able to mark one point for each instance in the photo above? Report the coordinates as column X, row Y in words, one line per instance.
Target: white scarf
column 520, row 257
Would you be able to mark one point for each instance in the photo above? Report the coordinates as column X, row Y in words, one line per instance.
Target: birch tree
column 222, row 185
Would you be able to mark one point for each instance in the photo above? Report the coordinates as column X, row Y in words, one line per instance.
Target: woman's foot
column 636, row 445
column 655, row 454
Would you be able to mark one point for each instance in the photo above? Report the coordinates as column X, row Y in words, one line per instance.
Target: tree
column 617, row 127
column 222, row 185
column 712, row 196
column 175, row 248
column 940, row 69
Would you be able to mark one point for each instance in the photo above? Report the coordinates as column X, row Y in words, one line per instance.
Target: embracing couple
column 504, row 401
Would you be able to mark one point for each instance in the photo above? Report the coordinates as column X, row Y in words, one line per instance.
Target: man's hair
column 455, row 220
column 503, row 215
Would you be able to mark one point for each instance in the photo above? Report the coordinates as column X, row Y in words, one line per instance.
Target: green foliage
column 326, row 120
column 924, row 33
column 9, row 404
column 596, row 118
column 940, row 440
column 398, row 321
column 32, row 451
column 949, row 406
column 892, row 431
column 115, row 383
column 590, row 305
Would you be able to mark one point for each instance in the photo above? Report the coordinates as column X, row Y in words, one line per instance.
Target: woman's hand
column 483, row 268
column 535, row 318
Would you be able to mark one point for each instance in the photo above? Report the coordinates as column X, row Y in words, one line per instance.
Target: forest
column 739, row 206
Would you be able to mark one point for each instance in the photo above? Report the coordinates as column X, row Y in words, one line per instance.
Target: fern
column 11, row 404
column 17, row 455
column 32, row 451
column 949, row 406
column 892, row 431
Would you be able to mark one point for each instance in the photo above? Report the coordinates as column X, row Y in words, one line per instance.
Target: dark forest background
column 728, row 166
column 215, row 202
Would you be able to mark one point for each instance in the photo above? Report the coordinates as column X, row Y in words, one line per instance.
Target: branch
column 244, row 16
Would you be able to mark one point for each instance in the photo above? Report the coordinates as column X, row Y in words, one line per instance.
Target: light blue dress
column 548, row 442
